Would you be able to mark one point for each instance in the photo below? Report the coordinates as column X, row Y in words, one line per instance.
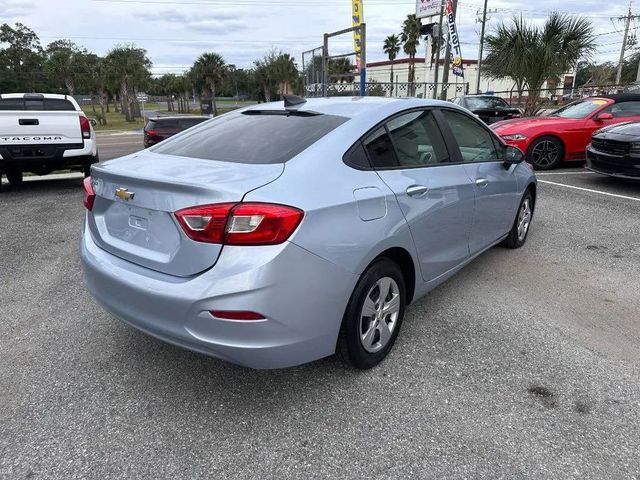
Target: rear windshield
column 252, row 137
column 164, row 123
column 486, row 102
column 191, row 122
column 39, row 104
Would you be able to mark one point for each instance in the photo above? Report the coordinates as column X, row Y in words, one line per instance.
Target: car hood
column 518, row 125
column 627, row 129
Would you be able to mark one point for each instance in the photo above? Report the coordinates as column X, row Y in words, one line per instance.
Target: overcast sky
column 175, row 32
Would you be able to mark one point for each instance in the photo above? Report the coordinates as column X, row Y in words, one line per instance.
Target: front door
column 496, row 187
column 436, row 197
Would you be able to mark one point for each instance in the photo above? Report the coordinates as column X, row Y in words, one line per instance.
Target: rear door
column 38, row 121
column 436, row 197
column 496, row 186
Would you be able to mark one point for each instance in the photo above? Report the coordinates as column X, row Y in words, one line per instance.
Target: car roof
column 625, row 97
column 352, row 107
column 34, row 95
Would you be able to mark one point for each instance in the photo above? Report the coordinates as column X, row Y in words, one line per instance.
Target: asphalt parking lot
column 524, row 365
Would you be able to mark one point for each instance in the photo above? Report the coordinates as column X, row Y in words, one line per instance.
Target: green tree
column 341, row 70
column 21, row 60
column 410, row 37
column 129, row 68
column 64, row 65
column 530, row 55
column 208, row 71
column 391, row 47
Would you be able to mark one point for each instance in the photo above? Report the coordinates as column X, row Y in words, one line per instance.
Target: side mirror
column 93, row 121
column 512, row 155
column 601, row 117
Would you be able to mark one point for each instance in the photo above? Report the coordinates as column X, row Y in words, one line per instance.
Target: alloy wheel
column 379, row 314
column 524, row 219
column 545, row 153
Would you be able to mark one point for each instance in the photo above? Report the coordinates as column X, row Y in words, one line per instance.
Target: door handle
column 417, row 190
column 28, row 121
column 482, row 182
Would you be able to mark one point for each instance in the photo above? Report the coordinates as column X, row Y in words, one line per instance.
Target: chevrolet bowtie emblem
column 124, row 194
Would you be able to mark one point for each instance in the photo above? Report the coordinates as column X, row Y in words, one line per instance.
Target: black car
column 488, row 108
column 161, row 128
column 615, row 151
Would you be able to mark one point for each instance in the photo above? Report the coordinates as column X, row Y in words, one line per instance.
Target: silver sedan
column 286, row 232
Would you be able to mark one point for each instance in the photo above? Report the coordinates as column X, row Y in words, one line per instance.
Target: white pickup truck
column 40, row 133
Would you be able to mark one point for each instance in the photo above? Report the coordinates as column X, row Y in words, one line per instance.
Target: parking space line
column 564, row 173
column 590, row 190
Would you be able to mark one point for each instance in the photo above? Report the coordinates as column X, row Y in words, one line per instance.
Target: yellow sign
column 357, row 18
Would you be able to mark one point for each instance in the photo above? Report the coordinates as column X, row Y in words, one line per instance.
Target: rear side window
column 168, row 123
column 380, row 149
column 258, row 137
column 417, row 139
column 36, row 104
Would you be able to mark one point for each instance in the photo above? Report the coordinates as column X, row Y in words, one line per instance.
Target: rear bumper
column 626, row 166
column 302, row 297
column 46, row 158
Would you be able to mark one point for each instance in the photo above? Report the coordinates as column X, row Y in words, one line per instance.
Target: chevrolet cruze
column 286, row 232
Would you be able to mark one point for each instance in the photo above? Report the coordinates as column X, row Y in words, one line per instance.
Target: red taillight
column 240, row 223
column 89, row 194
column 151, row 133
column 236, row 315
column 85, row 127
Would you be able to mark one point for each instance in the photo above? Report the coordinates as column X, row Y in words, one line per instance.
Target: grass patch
column 115, row 121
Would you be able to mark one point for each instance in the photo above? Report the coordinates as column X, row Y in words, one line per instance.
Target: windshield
column 580, row 109
column 486, row 102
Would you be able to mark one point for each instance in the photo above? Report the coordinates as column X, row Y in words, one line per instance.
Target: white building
column 380, row 72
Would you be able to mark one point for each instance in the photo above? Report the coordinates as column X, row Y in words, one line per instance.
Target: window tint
column 56, row 104
column 191, row 122
column 624, row 109
column 380, row 149
column 475, row 142
column 252, row 137
column 168, row 123
column 11, row 104
column 417, row 139
column 357, row 157
column 486, row 102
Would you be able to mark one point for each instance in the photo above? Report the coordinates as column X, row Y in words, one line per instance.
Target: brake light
column 89, row 194
column 240, row 223
column 151, row 133
column 85, row 127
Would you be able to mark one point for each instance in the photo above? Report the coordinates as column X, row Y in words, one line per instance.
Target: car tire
column 545, row 153
column 365, row 340
column 519, row 231
column 14, row 176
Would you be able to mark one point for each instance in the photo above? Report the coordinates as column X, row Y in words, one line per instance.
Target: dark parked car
column 161, row 128
column 488, row 108
column 615, row 151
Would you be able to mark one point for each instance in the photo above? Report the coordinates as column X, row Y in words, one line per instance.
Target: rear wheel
column 373, row 317
column 86, row 170
column 14, row 176
column 545, row 153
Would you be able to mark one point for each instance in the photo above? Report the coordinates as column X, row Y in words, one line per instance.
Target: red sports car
column 564, row 135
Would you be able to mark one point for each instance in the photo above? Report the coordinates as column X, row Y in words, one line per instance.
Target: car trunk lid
column 137, row 196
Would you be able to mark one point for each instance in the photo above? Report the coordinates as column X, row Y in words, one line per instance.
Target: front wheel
column 518, row 234
column 546, row 153
column 373, row 317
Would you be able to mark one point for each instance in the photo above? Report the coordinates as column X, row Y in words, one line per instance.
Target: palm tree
column 128, row 67
column 210, row 67
column 410, row 37
column 391, row 47
column 530, row 55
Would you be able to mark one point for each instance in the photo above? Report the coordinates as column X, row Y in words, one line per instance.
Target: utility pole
column 624, row 42
column 484, row 20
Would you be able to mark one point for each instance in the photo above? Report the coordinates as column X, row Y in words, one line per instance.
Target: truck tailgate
column 39, row 127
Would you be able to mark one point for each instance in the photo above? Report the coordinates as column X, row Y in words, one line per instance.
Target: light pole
column 484, row 20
